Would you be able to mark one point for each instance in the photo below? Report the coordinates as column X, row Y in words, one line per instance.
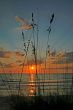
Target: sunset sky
column 11, row 44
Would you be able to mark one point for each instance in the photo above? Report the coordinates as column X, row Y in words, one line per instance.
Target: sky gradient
column 62, row 33
column 61, row 37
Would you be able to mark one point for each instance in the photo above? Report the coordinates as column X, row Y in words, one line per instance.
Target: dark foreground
column 36, row 103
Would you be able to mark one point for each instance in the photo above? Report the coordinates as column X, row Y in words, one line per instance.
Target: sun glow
column 32, row 67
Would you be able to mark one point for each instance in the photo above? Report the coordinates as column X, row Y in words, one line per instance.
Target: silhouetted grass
column 40, row 103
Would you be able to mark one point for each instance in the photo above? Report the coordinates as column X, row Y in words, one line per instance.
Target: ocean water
column 27, row 84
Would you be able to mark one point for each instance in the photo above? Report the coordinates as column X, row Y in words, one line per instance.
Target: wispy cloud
column 25, row 25
column 61, row 57
column 5, row 54
column 19, row 54
column 9, row 54
column 10, row 58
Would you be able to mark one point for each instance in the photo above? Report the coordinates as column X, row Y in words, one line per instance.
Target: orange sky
column 51, row 68
column 12, row 62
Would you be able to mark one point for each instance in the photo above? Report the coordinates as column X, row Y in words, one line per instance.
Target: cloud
column 1, row 49
column 20, row 20
column 5, row 65
column 24, row 24
column 25, row 27
column 20, row 54
column 11, row 58
column 62, row 57
column 5, row 54
column 9, row 54
column 32, row 62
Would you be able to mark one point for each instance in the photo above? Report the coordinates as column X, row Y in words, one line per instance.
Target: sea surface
column 26, row 84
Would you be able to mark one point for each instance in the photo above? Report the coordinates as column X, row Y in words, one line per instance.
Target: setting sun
column 32, row 67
